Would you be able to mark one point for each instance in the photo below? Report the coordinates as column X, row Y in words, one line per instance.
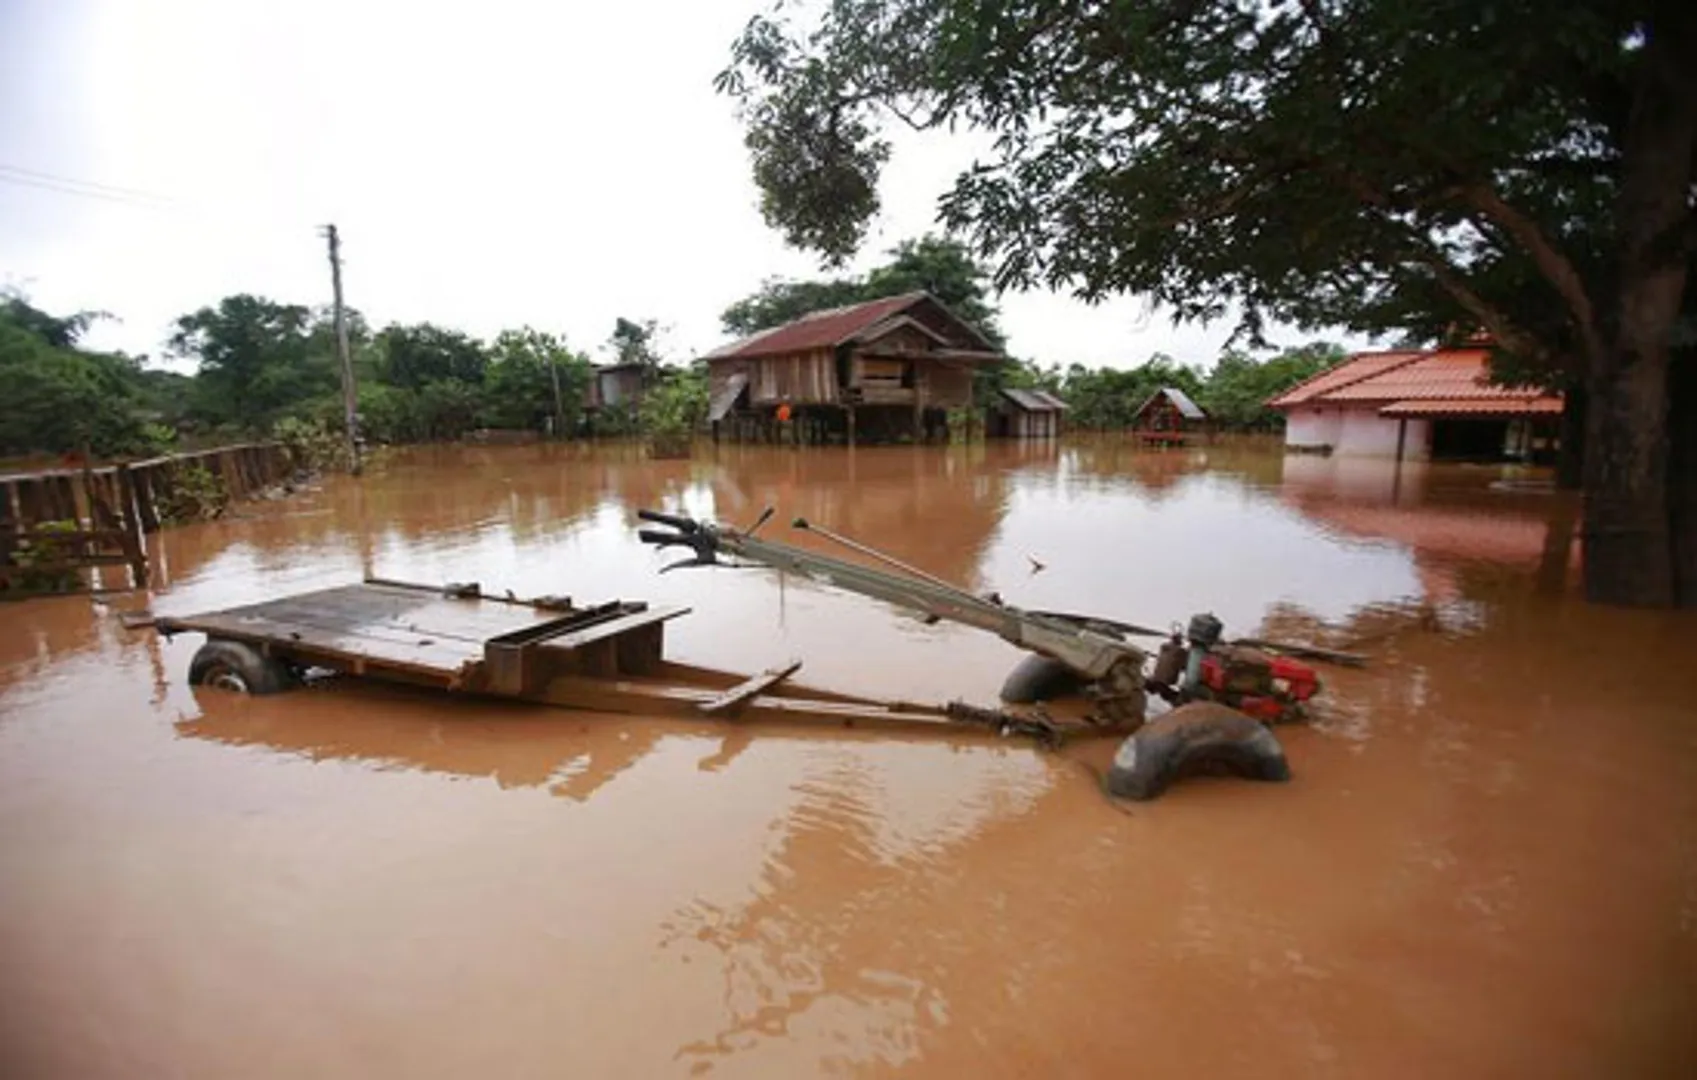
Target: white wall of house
column 1312, row 426
column 1357, row 431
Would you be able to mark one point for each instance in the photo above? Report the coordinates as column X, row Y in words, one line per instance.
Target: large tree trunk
column 1570, row 456
column 1682, row 477
column 1629, row 535
column 1628, row 558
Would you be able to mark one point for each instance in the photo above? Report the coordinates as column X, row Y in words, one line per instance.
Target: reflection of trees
column 572, row 756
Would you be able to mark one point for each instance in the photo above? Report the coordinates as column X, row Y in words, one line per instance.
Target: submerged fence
column 57, row 525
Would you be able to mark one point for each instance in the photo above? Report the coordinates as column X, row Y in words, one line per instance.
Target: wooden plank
column 147, row 512
column 424, row 655
column 613, row 627
column 731, row 701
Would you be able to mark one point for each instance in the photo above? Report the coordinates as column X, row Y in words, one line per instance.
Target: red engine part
column 1267, row 687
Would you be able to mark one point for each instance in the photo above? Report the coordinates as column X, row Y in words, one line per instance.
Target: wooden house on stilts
column 878, row 371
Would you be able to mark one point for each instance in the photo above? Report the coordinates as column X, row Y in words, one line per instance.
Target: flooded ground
column 1486, row 864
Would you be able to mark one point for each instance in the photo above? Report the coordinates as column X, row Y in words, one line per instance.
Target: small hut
column 1026, row 414
column 1168, row 417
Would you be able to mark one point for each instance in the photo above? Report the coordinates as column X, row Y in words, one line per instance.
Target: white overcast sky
column 489, row 164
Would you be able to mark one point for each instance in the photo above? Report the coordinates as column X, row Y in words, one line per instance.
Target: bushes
column 193, row 493
column 671, row 411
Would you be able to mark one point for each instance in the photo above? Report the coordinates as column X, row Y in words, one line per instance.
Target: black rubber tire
column 1198, row 737
column 235, row 665
column 1040, row 678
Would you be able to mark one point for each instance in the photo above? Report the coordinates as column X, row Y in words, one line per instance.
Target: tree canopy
column 1319, row 161
column 943, row 267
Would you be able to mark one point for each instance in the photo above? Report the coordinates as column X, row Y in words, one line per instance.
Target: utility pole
column 350, row 397
column 559, row 405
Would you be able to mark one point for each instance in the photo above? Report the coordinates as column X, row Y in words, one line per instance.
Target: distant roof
column 1034, row 400
column 1451, row 381
column 832, row 327
column 1181, row 401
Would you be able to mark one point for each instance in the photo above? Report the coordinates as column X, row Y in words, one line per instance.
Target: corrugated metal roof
column 1181, row 401
column 1353, row 370
column 1033, row 400
column 818, row 330
column 726, row 397
column 1186, row 407
column 1475, row 407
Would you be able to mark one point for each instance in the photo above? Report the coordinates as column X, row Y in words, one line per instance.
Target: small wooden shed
column 616, row 386
column 1168, row 417
column 1026, row 414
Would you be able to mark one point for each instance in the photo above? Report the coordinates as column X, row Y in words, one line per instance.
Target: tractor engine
column 1199, row 666
column 1269, row 688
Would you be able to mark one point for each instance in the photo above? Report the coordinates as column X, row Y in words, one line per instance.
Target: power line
column 45, row 186
column 88, row 186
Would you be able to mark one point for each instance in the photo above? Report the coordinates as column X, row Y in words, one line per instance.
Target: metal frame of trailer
column 607, row 657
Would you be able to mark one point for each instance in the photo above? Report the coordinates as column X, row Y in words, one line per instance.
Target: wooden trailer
column 606, row 657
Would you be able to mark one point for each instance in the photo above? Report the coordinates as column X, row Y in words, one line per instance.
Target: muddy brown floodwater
column 1486, row 864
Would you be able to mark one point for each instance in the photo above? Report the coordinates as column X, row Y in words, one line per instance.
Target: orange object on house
column 784, row 413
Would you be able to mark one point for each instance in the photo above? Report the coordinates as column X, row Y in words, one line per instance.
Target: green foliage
column 534, row 378
column 1237, row 389
column 672, row 409
column 313, row 445
column 56, row 398
column 1110, row 397
column 635, row 342
column 415, row 356
column 190, row 493
column 777, row 302
column 942, row 267
column 38, row 550
column 1368, row 162
column 257, row 360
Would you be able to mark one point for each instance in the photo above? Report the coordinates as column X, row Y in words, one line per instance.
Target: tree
column 1293, row 159
column 533, row 378
column 777, row 302
column 942, row 267
column 57, row 397
column 635, row 342
column 257, row 360
column 417, row 355
column 1238, row 388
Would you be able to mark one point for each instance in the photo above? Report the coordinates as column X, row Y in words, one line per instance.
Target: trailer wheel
column 234, row 665
column 1040, row 678
column 1199, row 737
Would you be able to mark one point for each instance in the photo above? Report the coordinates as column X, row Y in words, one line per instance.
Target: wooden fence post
column 135, row 547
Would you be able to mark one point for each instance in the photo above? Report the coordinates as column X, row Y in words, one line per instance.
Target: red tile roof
column 819, row 330
column 1446, row 373
column 1440, row 382
column 1355, row 369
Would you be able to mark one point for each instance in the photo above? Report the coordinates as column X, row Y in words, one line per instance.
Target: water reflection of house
column 1418, row 405
column 935, row 508
column 880, row 369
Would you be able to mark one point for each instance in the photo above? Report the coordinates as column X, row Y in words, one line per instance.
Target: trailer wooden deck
column 453, row 637
column 607, row 657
